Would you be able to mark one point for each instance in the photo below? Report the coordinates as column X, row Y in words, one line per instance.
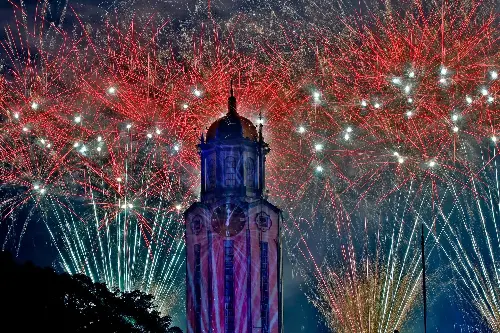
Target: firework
column 370, row 275
column 100, row 122
column 374, row 302
column 100, row 131
column 469, row 239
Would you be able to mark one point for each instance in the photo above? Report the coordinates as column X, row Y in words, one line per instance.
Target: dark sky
column 300, row 316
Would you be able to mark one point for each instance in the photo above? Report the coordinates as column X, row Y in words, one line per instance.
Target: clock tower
column 233, row 241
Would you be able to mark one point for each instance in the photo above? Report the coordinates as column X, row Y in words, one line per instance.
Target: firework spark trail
column 385, row 254
column 390, row 293
column 471, row 243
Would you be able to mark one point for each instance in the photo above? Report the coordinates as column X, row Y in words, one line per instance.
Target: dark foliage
column 37, row 299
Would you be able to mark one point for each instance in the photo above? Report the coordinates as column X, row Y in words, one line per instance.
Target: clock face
column 228, row 220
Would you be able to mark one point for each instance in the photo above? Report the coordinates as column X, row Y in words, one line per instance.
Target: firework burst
column 361, row 301
column 99, row 127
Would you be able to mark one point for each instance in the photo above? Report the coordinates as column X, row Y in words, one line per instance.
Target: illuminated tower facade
column 233, row 243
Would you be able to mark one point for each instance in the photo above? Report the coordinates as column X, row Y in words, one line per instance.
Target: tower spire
column 231, row 102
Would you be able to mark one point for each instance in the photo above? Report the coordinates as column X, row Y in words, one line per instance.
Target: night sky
column 300, row 316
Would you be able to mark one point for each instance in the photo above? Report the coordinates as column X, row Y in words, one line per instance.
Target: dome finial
column 231, row 103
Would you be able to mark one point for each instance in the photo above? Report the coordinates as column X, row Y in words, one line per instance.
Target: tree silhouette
column 39, row 299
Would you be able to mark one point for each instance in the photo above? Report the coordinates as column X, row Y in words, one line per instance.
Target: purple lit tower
column 234, row 274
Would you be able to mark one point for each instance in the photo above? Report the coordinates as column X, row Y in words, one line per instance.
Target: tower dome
column 232, row 125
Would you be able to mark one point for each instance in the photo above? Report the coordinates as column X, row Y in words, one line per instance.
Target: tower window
column 230, row 171
column 211, row 172
column 229, row 287
column 264, row 286
column 250, row 172
column 197, row 288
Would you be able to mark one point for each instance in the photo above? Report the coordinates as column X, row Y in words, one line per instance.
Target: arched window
column 211, row 172
column 230, row 171
column 250, row 172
